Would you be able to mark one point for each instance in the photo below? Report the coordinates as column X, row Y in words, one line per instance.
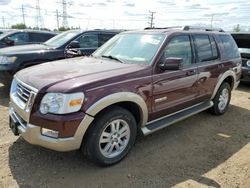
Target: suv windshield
column 62, row 38
column 135, row 48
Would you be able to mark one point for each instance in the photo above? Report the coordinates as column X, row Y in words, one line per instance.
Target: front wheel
column 221, row 99
column 110, row 137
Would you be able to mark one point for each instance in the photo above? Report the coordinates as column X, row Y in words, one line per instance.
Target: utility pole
column 151, row 19
column 3, row 22
column 22, row 9
column 57, row 19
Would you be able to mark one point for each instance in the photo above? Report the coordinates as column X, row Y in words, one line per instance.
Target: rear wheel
column 111, row 136
column 221, row 99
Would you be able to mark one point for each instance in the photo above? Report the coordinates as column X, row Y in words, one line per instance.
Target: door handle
column 191, row 72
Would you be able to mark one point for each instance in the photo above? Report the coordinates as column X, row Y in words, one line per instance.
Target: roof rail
column 187, row 28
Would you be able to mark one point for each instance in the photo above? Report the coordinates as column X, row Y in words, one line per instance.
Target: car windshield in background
column 244, row 50
column 62, row 38
column 135, row 48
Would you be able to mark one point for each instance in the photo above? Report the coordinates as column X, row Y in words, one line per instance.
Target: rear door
column 209, row 64
column 175, row 90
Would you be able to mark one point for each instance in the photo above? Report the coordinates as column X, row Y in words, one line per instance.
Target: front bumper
column 11, row 67
column 32, row 134
column 245, row 75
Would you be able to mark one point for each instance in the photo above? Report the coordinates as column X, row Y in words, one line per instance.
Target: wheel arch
column 132, row 102
column 229, row 77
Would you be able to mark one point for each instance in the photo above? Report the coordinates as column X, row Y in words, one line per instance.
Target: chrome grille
column 23, row 92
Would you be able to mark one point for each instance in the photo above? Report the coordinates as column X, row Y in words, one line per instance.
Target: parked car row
column 137, row 81
column 21, row 37
column 243, row 42
column 67, row 44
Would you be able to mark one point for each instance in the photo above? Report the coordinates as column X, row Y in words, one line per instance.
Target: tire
column 110, row 137
column 221, row 99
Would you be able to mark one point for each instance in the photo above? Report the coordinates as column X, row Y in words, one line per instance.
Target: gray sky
column 129, row 14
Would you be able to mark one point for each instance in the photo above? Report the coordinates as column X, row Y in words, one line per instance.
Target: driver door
column 174, row 90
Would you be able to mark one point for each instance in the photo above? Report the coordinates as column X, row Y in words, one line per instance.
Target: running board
column 170, row 119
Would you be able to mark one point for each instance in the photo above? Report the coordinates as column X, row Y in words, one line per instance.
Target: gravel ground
column 201, row 151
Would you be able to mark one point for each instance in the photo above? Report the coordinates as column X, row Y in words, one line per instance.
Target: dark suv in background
column 137, row 81
column 243, row 42
column 67, row 44
column 21, row 37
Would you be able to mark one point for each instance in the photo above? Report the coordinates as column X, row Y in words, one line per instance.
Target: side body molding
column 105, row 102
column 226, row 74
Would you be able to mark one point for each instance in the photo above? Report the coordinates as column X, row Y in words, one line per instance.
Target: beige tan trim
column 120, row 97
column 105, row 102
column 228, row 73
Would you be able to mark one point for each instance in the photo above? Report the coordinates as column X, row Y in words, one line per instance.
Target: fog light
column 50, row 133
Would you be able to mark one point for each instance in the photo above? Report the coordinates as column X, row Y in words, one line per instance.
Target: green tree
column 63, row 29
column 19, row 26
column 236, row 28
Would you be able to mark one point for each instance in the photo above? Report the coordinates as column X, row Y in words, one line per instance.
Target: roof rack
column 187, row 28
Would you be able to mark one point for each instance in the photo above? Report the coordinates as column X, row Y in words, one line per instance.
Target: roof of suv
column 185, row 29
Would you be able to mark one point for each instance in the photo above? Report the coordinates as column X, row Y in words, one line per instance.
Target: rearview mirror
column 171, row 63
column 74, row 44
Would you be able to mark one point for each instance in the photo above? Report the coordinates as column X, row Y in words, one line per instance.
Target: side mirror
column 8, row 41
column 74, row 44
column 171, row 63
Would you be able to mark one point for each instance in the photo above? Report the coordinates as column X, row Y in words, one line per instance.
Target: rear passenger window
column 179, row 47
column 205, row 50
column 230, row 47
column 104, row 38
column 39, row 37
column 214, row 48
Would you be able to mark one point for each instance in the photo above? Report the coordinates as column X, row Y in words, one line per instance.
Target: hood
column 82, row 70
column 13, row 50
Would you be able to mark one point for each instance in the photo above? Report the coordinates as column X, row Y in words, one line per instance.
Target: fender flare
column 106, row 102
column 221, row 79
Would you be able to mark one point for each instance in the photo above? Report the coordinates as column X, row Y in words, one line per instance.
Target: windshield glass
column 62, row 38
column 135, row 48
column 244, row 50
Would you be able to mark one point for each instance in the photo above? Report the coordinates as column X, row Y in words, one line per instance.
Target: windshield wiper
column 112, row 57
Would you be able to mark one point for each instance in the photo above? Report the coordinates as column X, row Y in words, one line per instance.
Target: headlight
column 7, row 59
column 248, row 63
column 59, row 103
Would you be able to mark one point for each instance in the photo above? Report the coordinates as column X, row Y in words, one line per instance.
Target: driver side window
column 179, row 47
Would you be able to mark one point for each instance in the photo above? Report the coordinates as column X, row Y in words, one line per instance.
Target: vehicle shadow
column 184, row 151
column 244, row 86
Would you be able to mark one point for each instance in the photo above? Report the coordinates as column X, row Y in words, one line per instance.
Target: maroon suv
column 137, row 81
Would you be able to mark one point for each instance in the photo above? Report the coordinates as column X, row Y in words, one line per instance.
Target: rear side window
column 206, row 49
column 230, row 48
column 102, row 38
column 39, row 37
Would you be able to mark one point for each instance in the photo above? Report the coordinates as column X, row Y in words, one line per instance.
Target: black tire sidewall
column 98, row 127
column 216, row 109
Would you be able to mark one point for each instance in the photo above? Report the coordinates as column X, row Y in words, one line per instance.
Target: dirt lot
column 202, row 151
